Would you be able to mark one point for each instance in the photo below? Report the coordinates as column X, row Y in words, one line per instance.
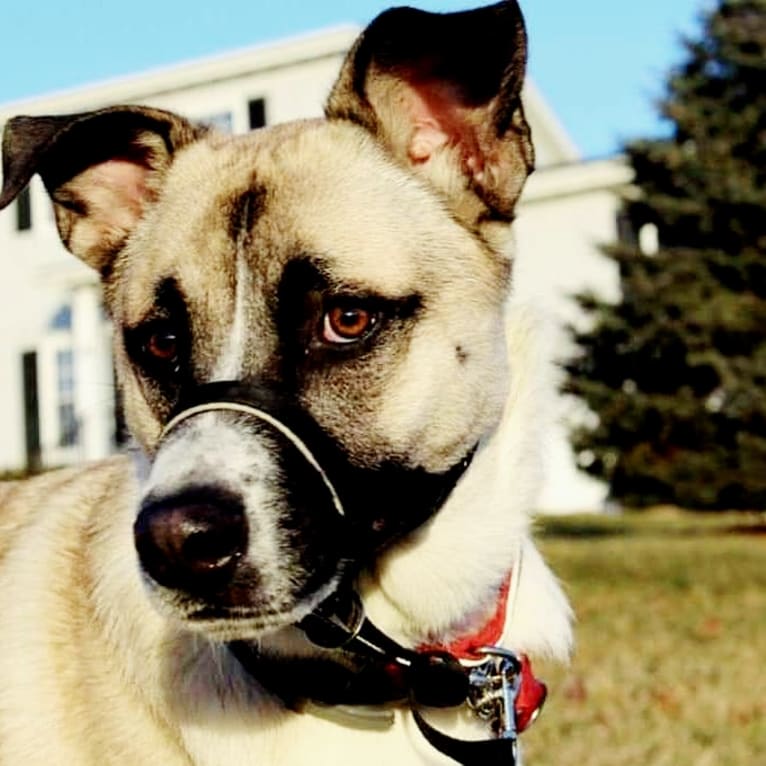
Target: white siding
column 566, row 213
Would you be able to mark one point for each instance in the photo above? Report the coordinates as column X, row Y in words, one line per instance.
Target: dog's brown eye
column 345, row 324
column 159, row 347
column 162, row 345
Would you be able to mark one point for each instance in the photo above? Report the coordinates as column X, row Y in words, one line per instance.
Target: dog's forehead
column 331, row 190
column 315, row 189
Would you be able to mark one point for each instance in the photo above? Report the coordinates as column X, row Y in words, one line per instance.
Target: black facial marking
column 305, row 294
column 244, row 210
column 168, row 316
column 299, row 304
column 388, row 501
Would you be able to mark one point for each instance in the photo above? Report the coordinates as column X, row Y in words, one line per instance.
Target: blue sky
column 600, row 64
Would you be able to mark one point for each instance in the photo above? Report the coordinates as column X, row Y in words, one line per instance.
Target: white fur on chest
column 304, row 739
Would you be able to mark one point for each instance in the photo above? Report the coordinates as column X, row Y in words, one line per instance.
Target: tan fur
column 404, row 193
column 81, row 700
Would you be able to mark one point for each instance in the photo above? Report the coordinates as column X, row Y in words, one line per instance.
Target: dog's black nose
column 192, row 542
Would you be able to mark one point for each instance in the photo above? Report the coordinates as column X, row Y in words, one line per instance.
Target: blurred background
column 641, row 235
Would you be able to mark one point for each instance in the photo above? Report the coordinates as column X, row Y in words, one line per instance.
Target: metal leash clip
column 494, row 687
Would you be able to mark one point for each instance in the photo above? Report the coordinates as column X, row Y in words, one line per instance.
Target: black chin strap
column 483, row 752
column 360, row 665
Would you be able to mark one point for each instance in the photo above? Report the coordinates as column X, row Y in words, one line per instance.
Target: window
column 626, row 229
column 256, row 108
column 24, row 210
column 222, row 121
column 62, row 319
column 65, row 388
column 75, row 383
column 634, row 229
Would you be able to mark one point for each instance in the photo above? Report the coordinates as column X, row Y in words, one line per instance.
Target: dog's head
column 345, row 277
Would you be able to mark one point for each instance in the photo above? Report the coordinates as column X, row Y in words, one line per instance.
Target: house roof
column 553, row 144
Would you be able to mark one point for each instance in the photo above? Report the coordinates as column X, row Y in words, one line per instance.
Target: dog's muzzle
column 193, row 541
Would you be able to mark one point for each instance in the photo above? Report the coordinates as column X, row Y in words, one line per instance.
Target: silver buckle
column 494, row 686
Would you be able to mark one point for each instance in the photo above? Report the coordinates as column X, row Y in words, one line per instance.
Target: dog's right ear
column 442, row 93
column 100, row 168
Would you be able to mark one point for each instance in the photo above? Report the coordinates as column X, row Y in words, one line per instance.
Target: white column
column 93, row 383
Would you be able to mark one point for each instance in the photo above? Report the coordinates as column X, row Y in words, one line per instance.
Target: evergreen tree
column 676, row 371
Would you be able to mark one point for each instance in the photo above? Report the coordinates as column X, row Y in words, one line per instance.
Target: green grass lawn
column 669, row 668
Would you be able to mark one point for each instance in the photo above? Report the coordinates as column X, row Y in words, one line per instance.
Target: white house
column 57, row 402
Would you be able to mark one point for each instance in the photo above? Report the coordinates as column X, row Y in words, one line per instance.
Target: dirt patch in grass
column 671, row 643
column 747, row 529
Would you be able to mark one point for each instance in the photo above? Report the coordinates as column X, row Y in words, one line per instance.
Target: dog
column 336, row 409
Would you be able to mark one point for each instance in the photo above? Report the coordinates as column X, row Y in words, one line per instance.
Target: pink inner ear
column 438, row 120
column 118, row 182
column 114, row 193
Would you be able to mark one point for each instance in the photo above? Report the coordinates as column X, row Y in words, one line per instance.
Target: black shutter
column 31, row 411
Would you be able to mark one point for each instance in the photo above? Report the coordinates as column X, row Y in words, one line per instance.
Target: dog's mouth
column 237, row 604
column 249, row 607
column 237, row 623
column 215, row 578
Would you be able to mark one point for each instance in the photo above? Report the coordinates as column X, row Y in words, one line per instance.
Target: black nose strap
column 379, row 503
column 258, row 414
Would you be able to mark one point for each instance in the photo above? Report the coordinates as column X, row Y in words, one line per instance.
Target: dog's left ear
column 101, row 169
column 442, row 92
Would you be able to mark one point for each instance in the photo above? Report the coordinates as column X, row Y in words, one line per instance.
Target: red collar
column 532, row 692
column 489, row 634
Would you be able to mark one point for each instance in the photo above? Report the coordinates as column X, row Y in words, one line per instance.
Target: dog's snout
column 192, row 542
